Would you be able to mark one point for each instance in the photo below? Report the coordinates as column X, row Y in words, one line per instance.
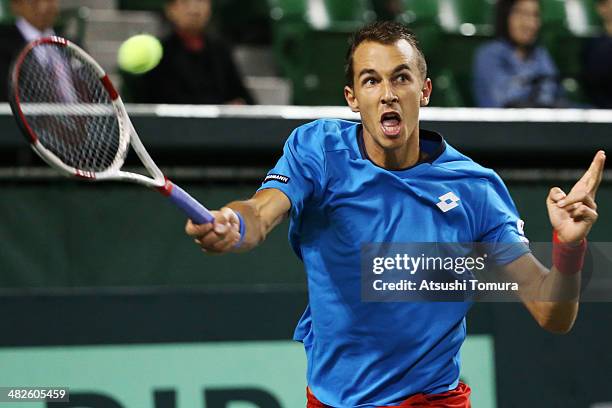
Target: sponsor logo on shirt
column 520, row 226
column 448, row 201
column 276, row 177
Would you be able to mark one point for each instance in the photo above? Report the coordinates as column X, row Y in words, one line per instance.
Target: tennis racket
column 74, row 119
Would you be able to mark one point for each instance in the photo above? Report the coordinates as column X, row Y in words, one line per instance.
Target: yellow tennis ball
column 139, row 54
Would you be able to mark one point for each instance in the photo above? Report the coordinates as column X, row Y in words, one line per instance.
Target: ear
column 351, row 100
column 426, row 92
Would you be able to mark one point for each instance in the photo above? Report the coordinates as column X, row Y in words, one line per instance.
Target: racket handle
column 190, row 206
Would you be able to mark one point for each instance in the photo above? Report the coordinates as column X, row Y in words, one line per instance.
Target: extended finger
column 592, row 177
column 600, row 158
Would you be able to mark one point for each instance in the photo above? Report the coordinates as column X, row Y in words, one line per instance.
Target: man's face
column 40, row 13
column 524, row 22
column 388, row 91
column 190, row 16
column 604, row 8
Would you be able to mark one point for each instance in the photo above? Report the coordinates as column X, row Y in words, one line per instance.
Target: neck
column 189, row 33
column 192, row 41
column 608, row 26
column 521, row 52
column 393, row 159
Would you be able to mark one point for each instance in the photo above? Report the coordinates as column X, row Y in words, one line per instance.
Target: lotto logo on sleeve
column 276, row 177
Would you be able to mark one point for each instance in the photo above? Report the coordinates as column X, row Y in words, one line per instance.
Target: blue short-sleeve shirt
column 367, row 354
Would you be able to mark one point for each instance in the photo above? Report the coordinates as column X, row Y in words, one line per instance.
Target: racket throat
column 160, row 181
column 166, row 189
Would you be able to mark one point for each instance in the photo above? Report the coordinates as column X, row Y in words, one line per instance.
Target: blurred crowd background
column 486, row 53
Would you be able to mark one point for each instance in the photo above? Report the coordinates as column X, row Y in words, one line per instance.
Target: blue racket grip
column 190, row 206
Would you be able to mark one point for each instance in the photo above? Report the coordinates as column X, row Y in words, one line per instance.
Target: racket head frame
column 127, row 133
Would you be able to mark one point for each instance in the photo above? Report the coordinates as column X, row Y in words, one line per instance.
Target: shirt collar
column 31, row 33
column 193, row 43
column 430, row 142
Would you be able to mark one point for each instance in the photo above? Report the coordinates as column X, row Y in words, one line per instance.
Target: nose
column 388, row 96
column 535, row 24
column 532, row 20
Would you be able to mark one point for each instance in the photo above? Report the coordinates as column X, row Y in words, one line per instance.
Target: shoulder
column 9, row 31
column 170, row 42
column 482, row 187
column 10, row 37
column 540, row 52
column 599, row 45
column 462, row 166
column 326, row 134
column 213, row 38
column 494, row 48
column 217, row 43
column 172, row 46
column 545, row 60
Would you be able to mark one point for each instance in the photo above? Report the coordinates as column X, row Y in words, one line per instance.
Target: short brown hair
column 383, row 32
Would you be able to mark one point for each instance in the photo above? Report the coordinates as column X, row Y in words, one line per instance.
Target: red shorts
column 457, row 398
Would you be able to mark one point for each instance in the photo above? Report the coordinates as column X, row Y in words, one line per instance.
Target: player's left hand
column 572, row 215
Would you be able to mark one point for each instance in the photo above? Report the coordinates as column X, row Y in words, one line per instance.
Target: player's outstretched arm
column 572, row 216
column 241, row 225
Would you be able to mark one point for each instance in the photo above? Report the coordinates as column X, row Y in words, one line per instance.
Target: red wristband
column 568, row 259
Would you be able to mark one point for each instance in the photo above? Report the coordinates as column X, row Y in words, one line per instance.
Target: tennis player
column 344, row 184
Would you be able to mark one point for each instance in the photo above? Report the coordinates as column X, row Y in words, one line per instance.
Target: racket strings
column 68, row 108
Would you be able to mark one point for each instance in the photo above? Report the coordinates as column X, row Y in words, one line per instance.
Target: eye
column 369, row 81
column 402, row 78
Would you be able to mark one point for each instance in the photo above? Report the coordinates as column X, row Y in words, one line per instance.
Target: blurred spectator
column 513, row 70
column 34, row 19
column 598, row 61
column 197, row 67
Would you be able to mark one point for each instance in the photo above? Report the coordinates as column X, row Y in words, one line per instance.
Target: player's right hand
column 218, row 237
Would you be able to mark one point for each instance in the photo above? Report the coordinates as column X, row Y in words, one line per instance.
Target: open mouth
column 391, row 123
